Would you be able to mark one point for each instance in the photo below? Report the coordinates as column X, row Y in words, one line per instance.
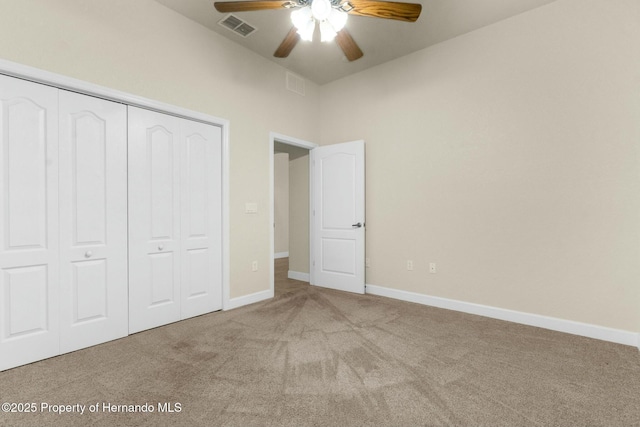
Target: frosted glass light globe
column 327, row 33
column 301, row 17
column 321, row 9
column 306, row 33
column 338, row 19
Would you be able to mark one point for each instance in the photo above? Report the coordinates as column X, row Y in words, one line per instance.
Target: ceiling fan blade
column 247, row 6
column 348, row 45
column 287, row 44
column 408, row 12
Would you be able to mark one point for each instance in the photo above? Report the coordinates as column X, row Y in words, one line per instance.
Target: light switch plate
column 251, row 208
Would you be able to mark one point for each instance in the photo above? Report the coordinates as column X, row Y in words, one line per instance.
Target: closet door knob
column 88, row 254
column 160, row 247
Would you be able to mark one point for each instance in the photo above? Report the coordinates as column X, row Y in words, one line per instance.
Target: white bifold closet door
column 29, row 289
column 93, row 221
column 63, row 221
column 175, row 267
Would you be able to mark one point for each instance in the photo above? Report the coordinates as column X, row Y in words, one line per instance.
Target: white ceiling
column 381, row 40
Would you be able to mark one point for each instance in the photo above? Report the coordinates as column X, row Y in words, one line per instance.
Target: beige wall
column 508, row 156
column 299, row 214
column 281, row 202
column 145, row 49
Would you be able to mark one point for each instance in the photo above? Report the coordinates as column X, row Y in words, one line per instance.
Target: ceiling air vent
column 295, row 83
column 237, row 25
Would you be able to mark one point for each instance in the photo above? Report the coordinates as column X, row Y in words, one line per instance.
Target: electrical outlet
column 409, row 265
column 367, row 262
column 254, row 266
column 432, row 267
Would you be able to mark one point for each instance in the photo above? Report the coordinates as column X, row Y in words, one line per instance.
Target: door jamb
column 296, row 142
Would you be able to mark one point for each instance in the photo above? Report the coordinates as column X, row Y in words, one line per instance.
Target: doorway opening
column 289, row 196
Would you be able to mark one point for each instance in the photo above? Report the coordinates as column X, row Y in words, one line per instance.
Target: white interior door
column 338, row 216
column 93, row 221
column 29, row 287
column 201, row 218
column 154, row 219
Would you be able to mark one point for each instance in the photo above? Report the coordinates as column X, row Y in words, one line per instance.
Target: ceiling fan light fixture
column 330, row 20
column 306, row 33
column 327, row 33
column 338, row 19
column 321, row 9
column 301, row 18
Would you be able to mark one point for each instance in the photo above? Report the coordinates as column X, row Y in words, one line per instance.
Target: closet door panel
column 28, row 222
column 201, row 218
column 154, row 219
column 93, row 221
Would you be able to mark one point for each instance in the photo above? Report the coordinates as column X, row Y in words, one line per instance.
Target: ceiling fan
column 331, row 16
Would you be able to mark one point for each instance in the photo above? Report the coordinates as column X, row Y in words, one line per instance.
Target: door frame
column 37, row 75
column 296, row 142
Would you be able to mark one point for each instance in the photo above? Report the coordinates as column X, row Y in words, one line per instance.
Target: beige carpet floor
column 315, row 357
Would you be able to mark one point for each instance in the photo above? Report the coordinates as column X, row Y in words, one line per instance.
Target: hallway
column 284, row 285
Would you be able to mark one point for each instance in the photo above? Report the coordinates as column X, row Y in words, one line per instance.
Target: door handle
column 358, row 225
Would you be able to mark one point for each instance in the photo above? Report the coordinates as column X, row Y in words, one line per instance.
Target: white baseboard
column 279, row 255
column 295, row 275
column 576, row 328
column 248, row 299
